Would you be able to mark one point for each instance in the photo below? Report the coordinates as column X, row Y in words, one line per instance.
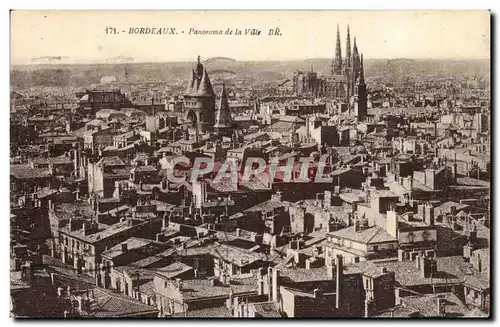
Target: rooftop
column 371, row 235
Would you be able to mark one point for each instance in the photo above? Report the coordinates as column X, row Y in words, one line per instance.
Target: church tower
column 362, row 101
column 199, row 100
column 223, row 120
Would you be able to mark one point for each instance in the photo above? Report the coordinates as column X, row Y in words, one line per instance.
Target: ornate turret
column 205, row 88
column 199, row 69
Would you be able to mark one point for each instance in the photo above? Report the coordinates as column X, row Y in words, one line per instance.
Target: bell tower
column 199, row 100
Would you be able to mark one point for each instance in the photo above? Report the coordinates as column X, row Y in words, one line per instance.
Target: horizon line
column 97, row 62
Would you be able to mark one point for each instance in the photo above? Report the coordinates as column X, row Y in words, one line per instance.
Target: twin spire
column 337, row 64
column 351, row 60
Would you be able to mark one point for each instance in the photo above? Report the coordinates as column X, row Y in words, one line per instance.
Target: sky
column 80, row 36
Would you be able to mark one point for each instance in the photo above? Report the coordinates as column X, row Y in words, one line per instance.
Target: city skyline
column 404, row 34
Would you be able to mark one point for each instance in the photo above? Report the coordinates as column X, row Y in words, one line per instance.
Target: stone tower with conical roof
column 199, row 100
column 223, row 120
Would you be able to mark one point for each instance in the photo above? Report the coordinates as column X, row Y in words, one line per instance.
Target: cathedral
column 346, row 79
column 200, row 104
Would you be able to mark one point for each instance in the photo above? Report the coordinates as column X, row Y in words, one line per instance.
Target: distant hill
column 389, row 70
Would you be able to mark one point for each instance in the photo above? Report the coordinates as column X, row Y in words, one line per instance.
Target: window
column 410, row 237
column 375, row 248
column 391, row 246
column 425, row 235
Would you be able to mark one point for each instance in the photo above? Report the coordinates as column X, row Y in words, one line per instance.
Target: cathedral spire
column 355, row 60
column 337, row 68
column 348, row 48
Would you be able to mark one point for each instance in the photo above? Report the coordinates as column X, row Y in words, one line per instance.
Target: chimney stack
column 429, row 214
column 339, row 265
column 275, row 279
column 441, row 306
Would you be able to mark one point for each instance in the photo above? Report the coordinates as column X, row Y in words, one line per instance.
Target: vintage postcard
column 250, row 164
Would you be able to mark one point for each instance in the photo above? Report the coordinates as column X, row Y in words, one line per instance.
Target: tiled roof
column 108, row 304
column 428, row 305
column 26, row 172
column 236, row 256
column 450, row 270
column 268, row 205
column 375, row 234
column 215, row 312
column 104, row 231
column 173, row 270
column 193, row 289
column 267, row 309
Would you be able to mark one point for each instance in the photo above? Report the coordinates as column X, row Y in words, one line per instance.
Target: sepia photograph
column 250, row 164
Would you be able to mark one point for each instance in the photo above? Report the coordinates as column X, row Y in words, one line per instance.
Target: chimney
column 195, row 273
column 68, row 290
column 276, row 275
column 85, row 228
column 27, row 273
column 429, row 214
column 426, row 267
column 441, row 307
column 160, row 237
column 124, row 247
column 260, row 282
column 339, row 265
column 401, row 254
column 453, row 210
column 270, row 282
column 418, row 263
column 317, row 293
column 330, row 270
column 421, row 211
column 467, row 251
column 357, row 226
column 392, row 223
column 238, row 232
